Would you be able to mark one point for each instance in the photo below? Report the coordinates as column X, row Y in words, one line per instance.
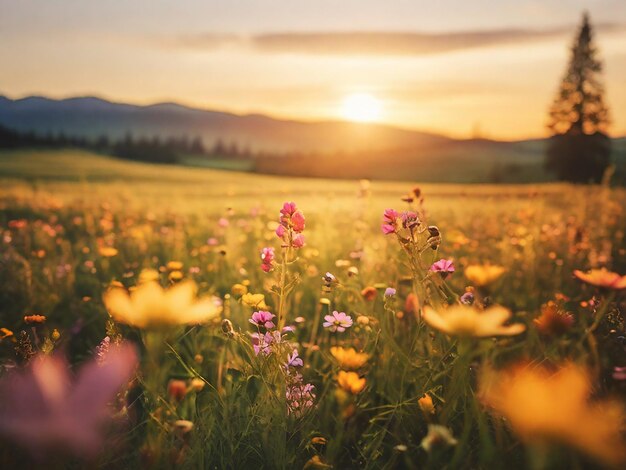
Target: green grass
column 58, row 208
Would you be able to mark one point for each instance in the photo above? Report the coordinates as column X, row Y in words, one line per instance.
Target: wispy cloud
column 369, row 42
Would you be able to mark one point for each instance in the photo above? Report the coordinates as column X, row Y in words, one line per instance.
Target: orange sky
column 459, row 76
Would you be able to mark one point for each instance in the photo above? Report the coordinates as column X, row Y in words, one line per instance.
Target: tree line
column 146, row 149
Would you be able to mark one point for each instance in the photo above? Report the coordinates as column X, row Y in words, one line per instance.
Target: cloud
column 363, row 43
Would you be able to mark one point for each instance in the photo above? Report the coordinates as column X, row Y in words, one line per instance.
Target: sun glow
column 361, row 107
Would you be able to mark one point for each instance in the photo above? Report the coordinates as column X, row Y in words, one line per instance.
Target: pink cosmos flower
column 262, row 318
column 338, row 321
column 443, row 267
column 44, row 408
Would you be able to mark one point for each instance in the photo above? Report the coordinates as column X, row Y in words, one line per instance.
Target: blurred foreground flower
column 349, row 358
column 151, row 305
column 483, row 274
column 541, row 406
column 602, row 278
column 463, row 320
column 43, row 409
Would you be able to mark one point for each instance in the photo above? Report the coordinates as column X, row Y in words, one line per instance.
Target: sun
column 361, row 107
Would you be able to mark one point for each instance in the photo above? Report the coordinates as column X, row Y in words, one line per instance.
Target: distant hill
column 91, row 117
column 326, row 149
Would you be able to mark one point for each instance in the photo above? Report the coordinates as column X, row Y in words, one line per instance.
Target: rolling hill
column 324, row 149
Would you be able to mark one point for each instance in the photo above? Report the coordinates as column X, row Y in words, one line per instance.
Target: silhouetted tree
column 579, row 149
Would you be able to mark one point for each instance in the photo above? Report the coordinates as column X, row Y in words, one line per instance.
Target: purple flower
column 338, row 321
column 262, row 318
column 390, row 218
column 261, row 343
column 444, row 267
column 44, row 407
column 467, row 298
column 294, row 360
column 390, row 292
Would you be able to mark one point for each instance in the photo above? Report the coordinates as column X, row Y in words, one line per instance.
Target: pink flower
column 291, row 221
column 388, row 228
column 262, row 343
column 289, row 208
column 297, row 221
column 298, row 241
column 281, row 231
column 267, row 259
column 338, row 321
column 443, row 267
column 43, row 407
column 262, row 318
column 390, row 217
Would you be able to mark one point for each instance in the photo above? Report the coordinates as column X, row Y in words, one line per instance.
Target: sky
column 461, row 68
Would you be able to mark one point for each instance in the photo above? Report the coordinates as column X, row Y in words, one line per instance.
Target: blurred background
column 449, row 91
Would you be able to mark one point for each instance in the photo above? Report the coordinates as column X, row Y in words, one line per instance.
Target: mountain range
column 389, row 151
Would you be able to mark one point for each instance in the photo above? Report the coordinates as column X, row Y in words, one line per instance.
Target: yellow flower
column 351, row 382
column 107, row 251
column 254, row 301
column 175, row 276
column 463, row 320
column 426, row 404
column 239, row 289
column 602, row 278
column 541, row 406
column 174, row 265
column 349, row 358
column 150, row 305
column 483, row 274
column 148, row 275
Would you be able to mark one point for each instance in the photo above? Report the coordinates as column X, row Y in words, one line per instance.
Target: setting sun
column 361, row 107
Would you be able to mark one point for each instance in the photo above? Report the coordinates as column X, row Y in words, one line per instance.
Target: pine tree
column 579, row 149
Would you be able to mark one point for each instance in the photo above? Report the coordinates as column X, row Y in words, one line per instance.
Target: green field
column 77, row 226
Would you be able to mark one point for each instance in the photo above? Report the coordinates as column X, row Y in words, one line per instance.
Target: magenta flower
column 281, row 231
column 390, row 218
column 289, row 208
column 338, row 321
column 298, row 241
column 390, row 292
column 292, row 222
column 443, row 267
column 267, row 259
column 297, row 221
column 262, row 318
column 43, row 407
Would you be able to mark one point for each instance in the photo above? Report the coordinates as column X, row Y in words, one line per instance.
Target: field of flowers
column 157, row 317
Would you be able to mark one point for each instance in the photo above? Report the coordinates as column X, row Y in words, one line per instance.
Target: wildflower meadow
column 205, row 320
